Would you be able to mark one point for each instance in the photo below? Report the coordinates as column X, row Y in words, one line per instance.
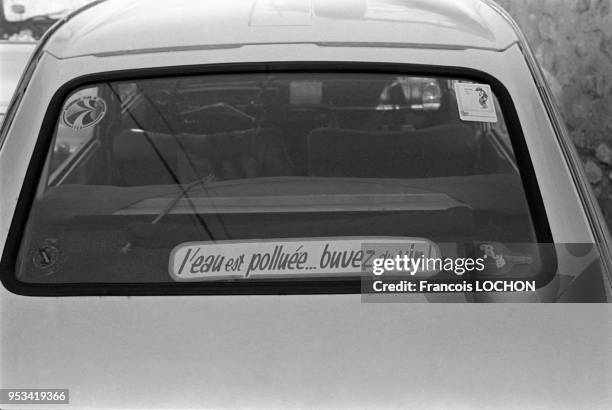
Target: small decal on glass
column 84, row 112
column 475, row 102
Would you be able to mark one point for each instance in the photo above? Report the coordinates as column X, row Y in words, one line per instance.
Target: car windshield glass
column 275, row 175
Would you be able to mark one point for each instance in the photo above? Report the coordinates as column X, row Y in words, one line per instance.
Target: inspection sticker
column 475, row 102
column 197, row 261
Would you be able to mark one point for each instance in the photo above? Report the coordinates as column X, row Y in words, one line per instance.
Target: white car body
column 331, row 351
column 14, row 57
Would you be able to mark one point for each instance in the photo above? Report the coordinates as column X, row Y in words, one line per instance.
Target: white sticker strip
column 475, row 102
column 200, row 261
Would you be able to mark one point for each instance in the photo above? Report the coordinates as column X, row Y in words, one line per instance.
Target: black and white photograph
column 305, row 204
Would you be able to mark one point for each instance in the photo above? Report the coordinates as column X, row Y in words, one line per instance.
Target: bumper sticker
column 199, row 261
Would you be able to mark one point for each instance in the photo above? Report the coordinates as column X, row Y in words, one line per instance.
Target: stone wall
column 573, row 41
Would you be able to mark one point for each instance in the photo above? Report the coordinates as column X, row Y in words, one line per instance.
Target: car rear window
column 277, row 176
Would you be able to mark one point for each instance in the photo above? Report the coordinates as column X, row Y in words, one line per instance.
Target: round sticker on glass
column 84, row 112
